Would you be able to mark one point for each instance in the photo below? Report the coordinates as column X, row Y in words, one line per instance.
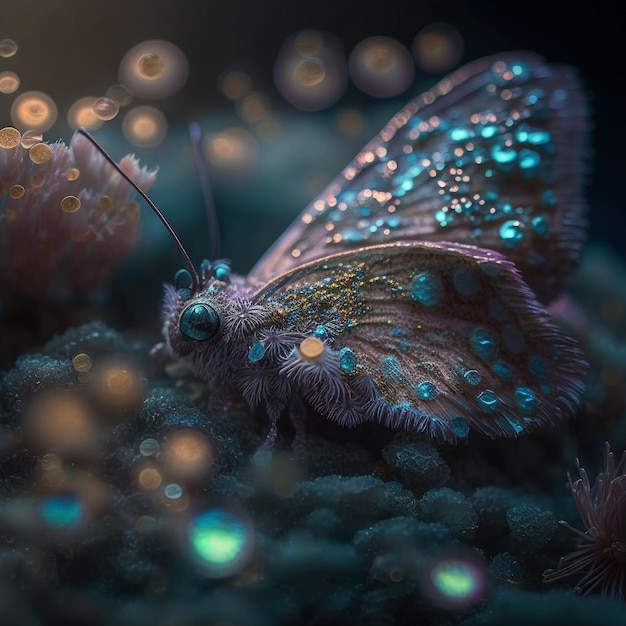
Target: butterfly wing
column 491, row 156
column 433, row 337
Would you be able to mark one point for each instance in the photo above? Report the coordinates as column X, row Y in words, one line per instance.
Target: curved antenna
column 195, row 280
column 207, row 192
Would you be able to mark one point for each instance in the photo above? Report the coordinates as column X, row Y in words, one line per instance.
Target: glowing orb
column 8, row 48
column 154, row 69
column 455, row 583
column 310, row 70
column 61, row 511
column 220, row 541
column 9, row 137
column 144, row 126
column 9, row 82
column 34, row 109
column 70, row 204
column 381, row 67
column 188, row 454
column 437, row 48
column 30, row 138
column 235, row 85
column 82, row 115
column 40, row 153
column 105, row 109
column 233, row 150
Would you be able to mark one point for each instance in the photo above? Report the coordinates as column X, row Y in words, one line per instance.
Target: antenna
column 195, row 280
column 207, row 192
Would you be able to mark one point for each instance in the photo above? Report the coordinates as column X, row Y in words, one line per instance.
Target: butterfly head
column 191, row 312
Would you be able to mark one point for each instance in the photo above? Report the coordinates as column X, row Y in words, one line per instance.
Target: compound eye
column 199, row 322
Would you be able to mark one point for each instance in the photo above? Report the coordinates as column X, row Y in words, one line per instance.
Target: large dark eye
column 199, row 322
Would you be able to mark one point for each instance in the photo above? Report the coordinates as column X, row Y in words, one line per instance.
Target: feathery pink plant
column 67, row 218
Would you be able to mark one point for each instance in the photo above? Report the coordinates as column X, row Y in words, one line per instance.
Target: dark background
column 71, row 48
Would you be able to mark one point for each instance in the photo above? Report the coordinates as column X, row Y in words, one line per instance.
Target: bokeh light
column 82, row 115
column 30, row 138
column 188, row 455
column 233, row 150
column 62, row 511
column 34, row 109
column 144, row 126
column 276, row 471
column 221, row 542
column 235, row 84
column 82, row 362
column 60, row 421
column 105, row 109
column 310, row 70
column 10, row 138
column 457, row 582
column 437, row 48
column 8, row 48
column 40, row 153
column 381, row 67
column 154, row 69
column 149, row 446
column 9, row 82
column 118, row 385
column 119, row 94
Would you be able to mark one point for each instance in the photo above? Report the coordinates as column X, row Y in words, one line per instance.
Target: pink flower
column 67, row 218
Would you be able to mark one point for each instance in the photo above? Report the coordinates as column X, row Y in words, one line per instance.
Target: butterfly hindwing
column 434, row 337
column 491, row 156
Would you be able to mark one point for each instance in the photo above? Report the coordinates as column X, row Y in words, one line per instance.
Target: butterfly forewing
column 491, row 156
column 432, row 337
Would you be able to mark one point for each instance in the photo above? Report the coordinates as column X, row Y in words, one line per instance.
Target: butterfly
column 411, row 292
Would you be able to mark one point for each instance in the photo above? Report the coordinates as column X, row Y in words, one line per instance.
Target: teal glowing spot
column 488, row 400
column 398, row 332
column 256, row 352
column 426, row 390
column 461, row 134
column 514, row 338
column 220, row 542
column 427, row 289
column 407, row 185
column 484, row 344
column 320, row 332
column 489, row 131
column 442, row 217
column 347, row 360
column 472, row 377
column 222, row 272
column 539, row 137
column 503, row 371
column 512, row 232
column 503, row 154
column 466, row 282
column 496, row 310
column 514, row 424
column 518, row 69
column 456, row 580
column 61, row 511
column 529, row 159
column 149, row 446
column 540, row 226
column 173, row 491
column 391, row 369
column 538, row 367
column 526, row 399
column 459, row 426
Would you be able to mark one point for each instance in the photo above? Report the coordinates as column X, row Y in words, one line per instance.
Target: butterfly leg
column 297, row 415
column 273, row 412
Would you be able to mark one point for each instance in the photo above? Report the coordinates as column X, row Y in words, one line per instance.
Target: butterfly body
column 397, row 296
